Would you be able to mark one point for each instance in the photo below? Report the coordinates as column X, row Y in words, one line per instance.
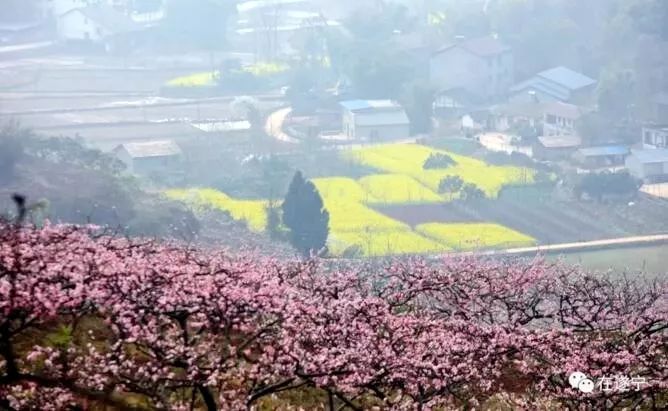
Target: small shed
column 601, row 156
column 374, row 120
column 651, row 165
column 151, row 158
column 553, row 148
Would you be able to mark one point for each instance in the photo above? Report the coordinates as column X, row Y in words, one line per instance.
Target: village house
column 374, row 120
column 552, row 118
column 655, row 136
column 152, row 158
column 512, row 116
column 555, row 148
column 98, row 24
column 601, row 156
column 482, row 66
column 559, row 118
column 555, row 84
column 651, row 165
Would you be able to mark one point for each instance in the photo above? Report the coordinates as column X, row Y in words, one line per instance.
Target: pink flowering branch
column 94, row 318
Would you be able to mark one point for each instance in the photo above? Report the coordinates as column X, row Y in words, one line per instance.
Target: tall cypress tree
column 305, row 215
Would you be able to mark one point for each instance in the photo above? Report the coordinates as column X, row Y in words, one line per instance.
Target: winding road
column 274, row 126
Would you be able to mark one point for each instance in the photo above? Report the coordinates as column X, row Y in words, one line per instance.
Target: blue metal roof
column 567, row 78
column 604, row 151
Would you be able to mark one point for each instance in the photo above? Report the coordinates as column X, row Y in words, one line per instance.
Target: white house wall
column 76, row 26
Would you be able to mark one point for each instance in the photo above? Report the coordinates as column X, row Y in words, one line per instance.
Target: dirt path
column 274, row 126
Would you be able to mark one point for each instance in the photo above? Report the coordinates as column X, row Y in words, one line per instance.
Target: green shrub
column 438, row 160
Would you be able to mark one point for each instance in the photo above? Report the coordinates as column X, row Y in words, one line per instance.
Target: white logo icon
column 586, row 386
column 575, row 378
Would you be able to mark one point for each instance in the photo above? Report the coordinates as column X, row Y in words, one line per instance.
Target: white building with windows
column 483, row 67
column 559, row 118
column 655, row 137
column 374, row 120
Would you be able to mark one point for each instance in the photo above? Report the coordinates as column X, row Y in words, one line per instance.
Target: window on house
column 551, row 119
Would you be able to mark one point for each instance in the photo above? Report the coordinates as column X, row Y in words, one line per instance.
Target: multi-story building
column 482, row 66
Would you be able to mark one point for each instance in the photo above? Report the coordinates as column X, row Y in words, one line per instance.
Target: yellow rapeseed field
column 353, row 223
column 356, row 217
column 208, row 78
column 195, row 80
column 471, row 236
column 397, row 189
column 408, row 159
column 341, row 189
column 253, row 212
column 384, row 243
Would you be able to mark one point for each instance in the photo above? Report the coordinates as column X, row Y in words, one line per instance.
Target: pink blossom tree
column 88, row 319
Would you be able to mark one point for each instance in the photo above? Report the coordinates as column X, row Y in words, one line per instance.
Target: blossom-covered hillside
column 88, row 320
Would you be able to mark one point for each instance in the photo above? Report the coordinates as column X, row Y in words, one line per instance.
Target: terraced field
column 208, row 78
column 397, row 189
column 548, row 221
column 408, row 159
column 253, row 212
column 357, row 228
column 473, row 236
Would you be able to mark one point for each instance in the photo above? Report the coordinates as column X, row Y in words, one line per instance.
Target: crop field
column 403, row 183
column 208, row 78
column 341, row 189
column 195, row 80
column 352, row 223
column 407, row 159
column 384, row 243
column 471, row 236
column 397, row 189
column 253, row 212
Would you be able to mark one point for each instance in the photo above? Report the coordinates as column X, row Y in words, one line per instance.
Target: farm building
column 555, row 84
column 655, row 137
column 649, row 165
column 151, row 158
column 602, row 156
column 374, row 120
column 512, row 115
column 559, row 118
column 554, row 148
column 97, row 23
column 482, row 66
